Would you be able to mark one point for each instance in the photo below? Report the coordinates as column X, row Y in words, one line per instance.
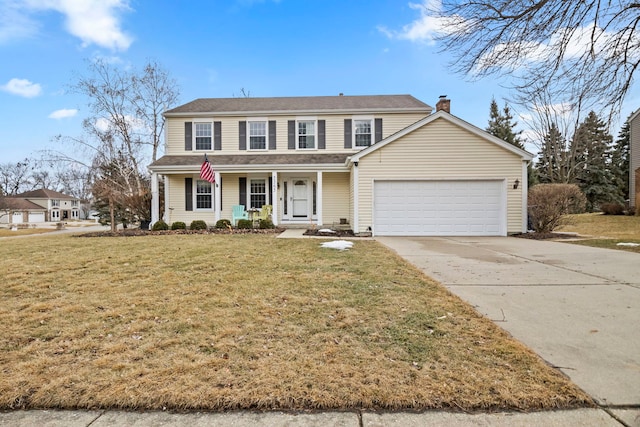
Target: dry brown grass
column 5, row 232
column 248, row 322
column 605, row 231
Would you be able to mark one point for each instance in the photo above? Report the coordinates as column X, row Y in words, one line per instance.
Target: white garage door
column 439, row 208
column 17, row 218
column 36, row 216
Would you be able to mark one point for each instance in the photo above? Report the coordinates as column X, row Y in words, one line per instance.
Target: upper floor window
column 74, row 203
column 203, row 136
column 306, row 134
column 204, row 195
column 55, row 203
column 258, row 135
column 362, row 130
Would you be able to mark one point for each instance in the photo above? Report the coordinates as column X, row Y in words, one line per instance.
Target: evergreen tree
column 591, row 147
column 619, row 165
column 501, row 125
column 550, row 167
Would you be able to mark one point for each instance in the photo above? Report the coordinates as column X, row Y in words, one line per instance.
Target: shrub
column 198, row 224
column 178, row 225
column 612, row 209
column 160, row 225
column 223, row 223
column 245, row 223
column 548, row 203
column 266, row 223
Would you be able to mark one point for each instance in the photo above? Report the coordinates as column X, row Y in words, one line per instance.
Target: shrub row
column 202, row 225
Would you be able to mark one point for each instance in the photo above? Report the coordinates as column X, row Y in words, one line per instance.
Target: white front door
column 300, row 198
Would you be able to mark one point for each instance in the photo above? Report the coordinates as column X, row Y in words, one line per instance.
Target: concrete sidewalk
column 578, row 307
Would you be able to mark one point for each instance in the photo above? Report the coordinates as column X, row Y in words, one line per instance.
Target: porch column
column 217, row 198
column 155, row 199
column 356, row 195
column 274, row 192
column 165, row 216
column 319, row 199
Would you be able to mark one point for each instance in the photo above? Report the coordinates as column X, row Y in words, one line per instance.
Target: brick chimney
column 443, row 104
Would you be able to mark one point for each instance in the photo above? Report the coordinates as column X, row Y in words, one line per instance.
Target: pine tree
column 591, row 147
column 619, row 165
column 501, row 125
column 550, row 166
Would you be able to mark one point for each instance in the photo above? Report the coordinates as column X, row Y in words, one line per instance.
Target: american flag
column 206, row 171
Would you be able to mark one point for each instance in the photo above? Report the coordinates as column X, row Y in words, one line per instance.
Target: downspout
column 356, row 212
column 524, row 196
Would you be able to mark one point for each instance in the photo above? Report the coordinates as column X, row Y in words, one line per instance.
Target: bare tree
column 582, row 51
column 15, row 178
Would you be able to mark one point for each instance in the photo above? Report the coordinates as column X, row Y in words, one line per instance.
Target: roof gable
column 300, row 105
column 525, row 155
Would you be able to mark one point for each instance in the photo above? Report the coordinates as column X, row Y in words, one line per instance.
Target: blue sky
column 215, row 49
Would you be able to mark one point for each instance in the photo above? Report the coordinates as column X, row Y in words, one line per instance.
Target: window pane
column 257, row 193
column 203, row 136
column 363, row 133
column 203, row 195
column 307, row 134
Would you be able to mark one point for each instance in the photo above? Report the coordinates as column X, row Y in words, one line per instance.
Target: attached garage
column 439, row 208
column 36, row 217
column 17, row 218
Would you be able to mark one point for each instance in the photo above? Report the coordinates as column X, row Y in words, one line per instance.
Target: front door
column 300, row 199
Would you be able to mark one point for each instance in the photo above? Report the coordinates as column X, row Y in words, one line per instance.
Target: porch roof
column 242, row 162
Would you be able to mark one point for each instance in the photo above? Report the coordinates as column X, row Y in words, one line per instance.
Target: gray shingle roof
column 302, row 104
column 252, row 159
column 18, row 203
column 44, row 194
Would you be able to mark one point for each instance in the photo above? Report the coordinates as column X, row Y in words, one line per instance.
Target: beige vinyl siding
column 335, row 197
column 634, row 159
column 441, row 150
column 176, row 211
column 334, row 130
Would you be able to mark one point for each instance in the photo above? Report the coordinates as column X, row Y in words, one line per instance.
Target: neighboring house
column 634, row 160
column 39, row 206
column 15, row 210
column 383, row 164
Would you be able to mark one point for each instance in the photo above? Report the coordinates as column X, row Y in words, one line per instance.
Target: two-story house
column 39, row 206
column 386, row 165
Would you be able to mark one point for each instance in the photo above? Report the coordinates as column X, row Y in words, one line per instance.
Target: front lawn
column 219, row 322
column 605, row 231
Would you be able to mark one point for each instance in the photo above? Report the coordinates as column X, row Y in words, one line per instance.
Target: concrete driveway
column 577, row 307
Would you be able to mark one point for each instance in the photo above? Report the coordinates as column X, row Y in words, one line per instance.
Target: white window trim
column 193, row 135
column 353, row 131
column 195, row 197
column 266, row 189
column 315, row 135
column 266, row 132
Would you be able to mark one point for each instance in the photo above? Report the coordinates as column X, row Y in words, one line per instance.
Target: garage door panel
column 431, row 208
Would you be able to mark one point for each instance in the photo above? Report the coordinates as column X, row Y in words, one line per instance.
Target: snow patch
column 633, row 245
column 326, row 230
column 338, row 244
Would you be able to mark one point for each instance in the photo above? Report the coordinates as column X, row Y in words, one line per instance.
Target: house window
column 306, row 134
column 203, row 136
column 258, row 135
column 55, row 203
column 75, row 214
column 257, row 193
column 55, row 215
column 204, row 195
column 74, row 203
column 362, row 132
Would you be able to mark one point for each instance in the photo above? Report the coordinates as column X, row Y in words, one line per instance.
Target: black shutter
column 321, row 135
column 378, row 130
column 242, row 200
column 291, row 134
column 217, row 136
column 188, row 194
column 188, row 136
column 272, row 134
column 347, row 134
column 242, row 135
column 271, row 190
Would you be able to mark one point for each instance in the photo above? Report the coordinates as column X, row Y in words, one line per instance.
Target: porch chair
column 237, row 213
column 265, row 212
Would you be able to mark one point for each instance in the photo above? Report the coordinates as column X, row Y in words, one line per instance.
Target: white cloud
column 63, row 113
column 22, row 87
column 92, row 21
column 424, row 29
